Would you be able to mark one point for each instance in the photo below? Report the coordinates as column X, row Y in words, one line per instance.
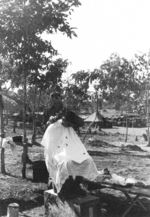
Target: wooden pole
column 126, row 126
column 147, row 99
column 127, row 119
column 33, row 112
column 3, row 160
column 25, row 148
column 24, row 130
column 2, row 135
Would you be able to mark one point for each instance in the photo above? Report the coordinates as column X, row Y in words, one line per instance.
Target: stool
column 85, row 206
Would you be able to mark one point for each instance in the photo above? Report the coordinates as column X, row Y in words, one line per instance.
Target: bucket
column 40, row 173
column 17, row 138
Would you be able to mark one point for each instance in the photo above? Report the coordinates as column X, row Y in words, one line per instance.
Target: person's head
column 56, row 97
column 68, row 119
column 72, row 120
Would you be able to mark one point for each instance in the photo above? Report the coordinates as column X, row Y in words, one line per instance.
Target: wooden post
column 13, row 210
column 147, row 99
column 24, row 159
column 3, row 160
column 14, row 126
column 126, row 127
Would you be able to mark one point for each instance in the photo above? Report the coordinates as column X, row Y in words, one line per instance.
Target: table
column 137, row 191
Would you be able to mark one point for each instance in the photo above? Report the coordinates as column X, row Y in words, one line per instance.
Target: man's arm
column 45, row 117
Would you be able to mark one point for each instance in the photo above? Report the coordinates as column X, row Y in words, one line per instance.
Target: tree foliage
column 21, row 26
column 22, row 23
column 79, row 89
column 117, row 80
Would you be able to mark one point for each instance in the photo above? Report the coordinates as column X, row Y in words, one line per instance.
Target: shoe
column 77, row 189
column 80, row 192
column 90, row 185
column 51, row 185
column 71, row 189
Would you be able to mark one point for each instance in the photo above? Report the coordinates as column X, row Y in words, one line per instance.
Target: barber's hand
column 52, row 119
column 48, row 123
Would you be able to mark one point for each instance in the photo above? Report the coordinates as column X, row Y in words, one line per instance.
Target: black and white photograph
column 74, row 108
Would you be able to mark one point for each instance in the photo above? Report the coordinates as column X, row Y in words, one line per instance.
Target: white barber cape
column 65, row 155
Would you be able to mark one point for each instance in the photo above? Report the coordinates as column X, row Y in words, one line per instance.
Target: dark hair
column 73, row 119
column 55, row 94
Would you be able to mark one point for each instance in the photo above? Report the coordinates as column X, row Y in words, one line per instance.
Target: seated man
column 67, row 160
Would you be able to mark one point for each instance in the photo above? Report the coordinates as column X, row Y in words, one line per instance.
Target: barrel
column 40, row 173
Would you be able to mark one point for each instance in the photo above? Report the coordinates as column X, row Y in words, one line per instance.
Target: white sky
column 104, row 27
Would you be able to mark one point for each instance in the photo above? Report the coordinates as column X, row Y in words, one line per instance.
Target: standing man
column 56, row 109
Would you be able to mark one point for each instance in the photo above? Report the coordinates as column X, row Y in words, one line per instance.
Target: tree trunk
column 34, row 121
column 39, row 102
column 14, row 126
column 25, row 148
column 33, row 115
column 147, row 99
column 2, row 134
column 3, row 160
column 1, row 115
column 7, row 113
column 126, row 127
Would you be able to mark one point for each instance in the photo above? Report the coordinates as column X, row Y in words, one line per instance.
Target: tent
column 99, row 120
column 95, row 117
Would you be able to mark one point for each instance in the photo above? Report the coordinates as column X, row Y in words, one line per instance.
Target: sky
column 105, row 27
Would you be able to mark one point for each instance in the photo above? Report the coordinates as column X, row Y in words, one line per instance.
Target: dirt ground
column 108, row 149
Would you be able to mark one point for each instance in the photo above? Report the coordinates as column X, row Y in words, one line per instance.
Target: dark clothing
column 52, row 111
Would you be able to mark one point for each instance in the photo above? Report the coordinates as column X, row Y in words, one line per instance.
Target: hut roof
column 109, row 113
